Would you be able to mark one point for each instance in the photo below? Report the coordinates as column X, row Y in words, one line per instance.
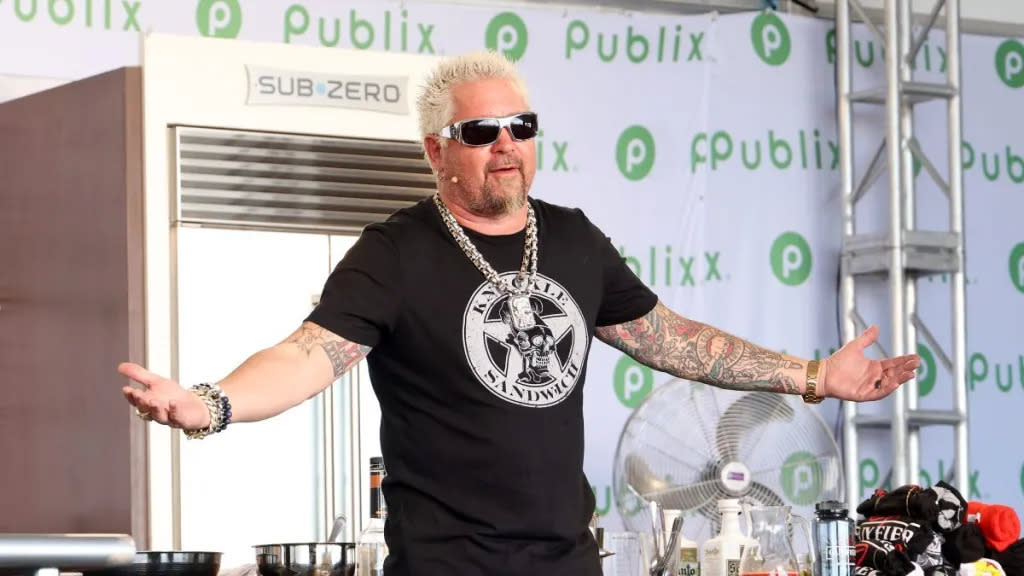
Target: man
column 475, row 310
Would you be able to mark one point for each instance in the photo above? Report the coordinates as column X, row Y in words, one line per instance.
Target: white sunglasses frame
column 454, row 131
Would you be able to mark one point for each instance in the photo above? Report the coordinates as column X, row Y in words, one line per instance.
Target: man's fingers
column 130, row 395
column 907, row 362
column 138, row 374
column 173, row 418
column 138, row 398
column 157, row 409
column 868, row 337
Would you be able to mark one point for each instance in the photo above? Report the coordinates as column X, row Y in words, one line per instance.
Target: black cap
column 831, row 508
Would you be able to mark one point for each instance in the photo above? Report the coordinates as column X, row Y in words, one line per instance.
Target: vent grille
column 310, row 183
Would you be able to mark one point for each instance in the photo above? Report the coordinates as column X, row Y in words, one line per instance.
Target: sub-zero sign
column 296, row 88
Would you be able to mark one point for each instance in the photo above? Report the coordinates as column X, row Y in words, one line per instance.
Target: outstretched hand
column 850, row 375
column 163, row 400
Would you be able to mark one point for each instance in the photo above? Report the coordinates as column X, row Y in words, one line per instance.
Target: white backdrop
column 706, row 148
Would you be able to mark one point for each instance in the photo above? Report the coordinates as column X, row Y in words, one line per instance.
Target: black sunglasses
column 485, row 131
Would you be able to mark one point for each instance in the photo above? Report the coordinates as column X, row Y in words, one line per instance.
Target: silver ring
column 143, row 415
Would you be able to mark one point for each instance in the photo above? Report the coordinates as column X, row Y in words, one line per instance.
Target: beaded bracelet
column 218, row 405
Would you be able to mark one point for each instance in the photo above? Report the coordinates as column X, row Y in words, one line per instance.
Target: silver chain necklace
column 519, row 290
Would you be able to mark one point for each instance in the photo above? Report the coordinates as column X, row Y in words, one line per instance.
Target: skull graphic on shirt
column 535, row 343
column 526, row 350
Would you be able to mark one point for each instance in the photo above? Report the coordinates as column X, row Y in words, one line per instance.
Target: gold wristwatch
column 810, row 395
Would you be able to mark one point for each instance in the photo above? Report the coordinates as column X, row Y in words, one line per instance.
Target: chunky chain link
column 218, row 405
column 528, row 270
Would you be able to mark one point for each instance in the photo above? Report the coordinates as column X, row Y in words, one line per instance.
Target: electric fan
column 689, row 445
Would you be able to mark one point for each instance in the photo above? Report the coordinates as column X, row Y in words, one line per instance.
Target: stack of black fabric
column 914, row 529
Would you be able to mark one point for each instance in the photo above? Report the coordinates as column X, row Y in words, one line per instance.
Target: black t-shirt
column 481, row 424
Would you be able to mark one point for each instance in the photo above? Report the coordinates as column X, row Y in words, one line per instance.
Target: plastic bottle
column 722, row 553
column 834, row 540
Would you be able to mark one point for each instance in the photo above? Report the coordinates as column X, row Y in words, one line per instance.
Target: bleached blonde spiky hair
column 435, row 105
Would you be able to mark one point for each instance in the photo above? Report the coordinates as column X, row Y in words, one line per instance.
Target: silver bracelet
column 218, row 405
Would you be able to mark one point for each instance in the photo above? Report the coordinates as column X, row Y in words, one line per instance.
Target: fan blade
column 764, row 495
column 743, row 415
column 640, row 477
column 648, row 486
column 684, row 497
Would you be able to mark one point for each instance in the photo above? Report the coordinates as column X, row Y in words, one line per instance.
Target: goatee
column 491, row 202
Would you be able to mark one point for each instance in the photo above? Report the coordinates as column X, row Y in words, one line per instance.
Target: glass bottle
column 371, row 548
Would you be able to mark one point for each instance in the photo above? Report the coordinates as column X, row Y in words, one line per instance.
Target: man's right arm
column 286, row 375
column 266, row 384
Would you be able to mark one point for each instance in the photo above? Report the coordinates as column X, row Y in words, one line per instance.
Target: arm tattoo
column 342, row 353
column 695, row 351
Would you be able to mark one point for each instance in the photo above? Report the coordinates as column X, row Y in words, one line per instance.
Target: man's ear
column 432, row 145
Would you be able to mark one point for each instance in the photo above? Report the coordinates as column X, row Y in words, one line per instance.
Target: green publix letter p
column 1017, row 266
column 632, row 382
column 1010, row 63
column 506, row 33
column 219, row 18
column 771, row 39
column 634, row 152
column 791, row 259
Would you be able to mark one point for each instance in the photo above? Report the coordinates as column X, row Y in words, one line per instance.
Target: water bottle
column 834, row 540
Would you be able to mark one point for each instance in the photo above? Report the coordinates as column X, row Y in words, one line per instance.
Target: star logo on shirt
column 526, row 350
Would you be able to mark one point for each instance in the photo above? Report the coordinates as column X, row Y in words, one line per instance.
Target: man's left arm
column 696, row 351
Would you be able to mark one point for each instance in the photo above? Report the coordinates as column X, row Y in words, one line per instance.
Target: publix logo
column 632, row 382
column 551, row 154
column 219, row 18
column 926, row 374
column 1017, row 266
column 120, row 16
column 506, row 33
column 806, row 149
column 1010, row 63
column 660, row 266
column 602, row 499
column 634, row 152
column 771, row 39
column 930, row 57
column 990, row 163
column 791, row 259
column 978, row 372
column 871, row 477
column 637, row 44
column 364, row 30
column 801, row 478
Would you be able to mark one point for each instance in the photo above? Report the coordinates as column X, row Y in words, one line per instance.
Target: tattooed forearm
column 696, row 351
column 342, row 353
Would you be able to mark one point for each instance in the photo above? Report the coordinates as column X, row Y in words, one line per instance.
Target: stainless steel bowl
column 166, row 563
column 306, row 559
